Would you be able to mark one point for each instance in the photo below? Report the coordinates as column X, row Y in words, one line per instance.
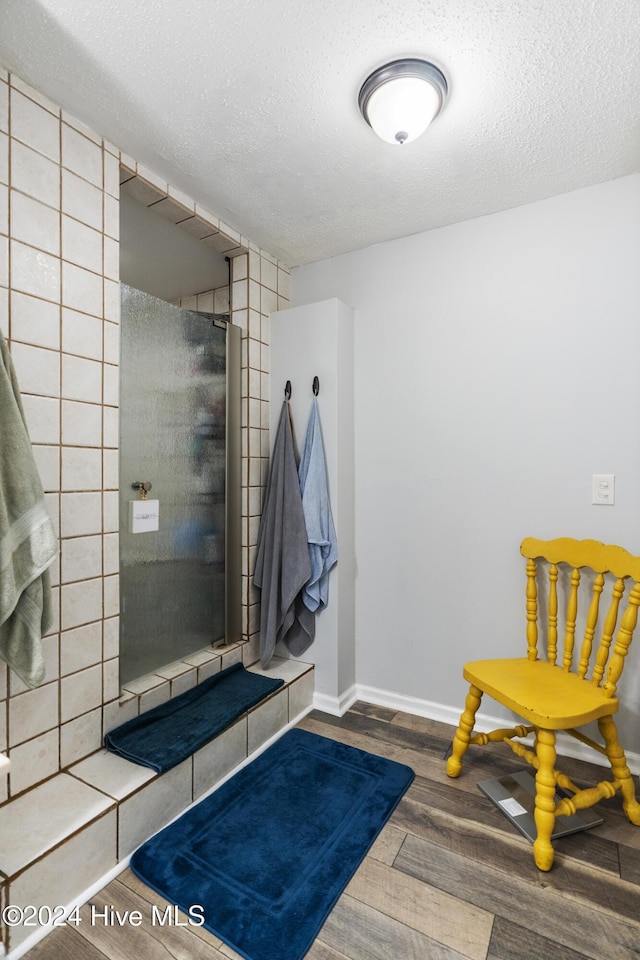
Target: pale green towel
column 28, row 544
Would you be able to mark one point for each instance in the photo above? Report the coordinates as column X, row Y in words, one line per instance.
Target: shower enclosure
column 180, row 433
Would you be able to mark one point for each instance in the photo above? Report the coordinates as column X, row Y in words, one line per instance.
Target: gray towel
column 282, row 562
column 28, row 544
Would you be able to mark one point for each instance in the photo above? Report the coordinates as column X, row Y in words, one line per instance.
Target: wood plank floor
column 448, row 877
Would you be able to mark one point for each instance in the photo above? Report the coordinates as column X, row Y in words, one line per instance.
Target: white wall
column 496, row 369
column 309, row 341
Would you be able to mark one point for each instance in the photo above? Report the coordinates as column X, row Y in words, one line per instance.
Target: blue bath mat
column 168, row 734
column 268, row 854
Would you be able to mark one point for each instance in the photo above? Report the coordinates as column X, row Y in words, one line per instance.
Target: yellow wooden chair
column 554, row 696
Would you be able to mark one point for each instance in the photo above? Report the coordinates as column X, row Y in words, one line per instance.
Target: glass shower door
column 173, row 435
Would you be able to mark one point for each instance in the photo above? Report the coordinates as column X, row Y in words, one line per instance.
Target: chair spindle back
column 601, row 559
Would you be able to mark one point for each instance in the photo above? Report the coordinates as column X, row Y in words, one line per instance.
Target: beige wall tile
column 4, row 261
column 111, row 680
column 268, row 274
column 35, row 321
column 34, row 761
column 221, row 300
column 4, row 158
column 35, row 174
column 34, row 126
column 80, row 737
column 80, row 692
column 81, row 127
column 38, row 370
column 111, row 262
column 240, row 294
column 119, row 711
column 240, row 267
column 284, row 284
column 81, row 289
column 81, row 199
column 111, row 587
column 111, row 175
column 111, row 426
column 34, row 272
column 81, row 468
column 81, row 558
column 81, row 155
column 301, row 695
column 81, row 424
column 81, row 379
column 111, row 217
column 43, row 418
column 111, row 301
column 110, row 543
column 112, row 343
column 111, row 385
column 4, row 311
column 110, row 461
column 111, row 512
column 33, row 712
column 48, row 463
column 81, row 603
column 265, row 721
column 81, row 244
column 219, row 757
column 268, row 301
column 111, row 641
column 80, row 514
column 35, row 95
column 4, row 107
column 81, row 334
column 35, row 223
column 4, row 209
column 153, row 806
column 80, row 648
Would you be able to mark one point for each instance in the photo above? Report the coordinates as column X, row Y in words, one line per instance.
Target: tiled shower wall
column 60, row 312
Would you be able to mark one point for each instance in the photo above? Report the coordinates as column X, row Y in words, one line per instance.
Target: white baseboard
column 566, row 746
column 335, row 706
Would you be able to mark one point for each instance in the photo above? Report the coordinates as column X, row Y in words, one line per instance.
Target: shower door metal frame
column 233, row 504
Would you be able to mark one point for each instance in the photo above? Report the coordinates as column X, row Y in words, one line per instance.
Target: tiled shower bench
column 63, row 840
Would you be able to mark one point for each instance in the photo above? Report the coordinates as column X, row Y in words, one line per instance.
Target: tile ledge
column 77, row 805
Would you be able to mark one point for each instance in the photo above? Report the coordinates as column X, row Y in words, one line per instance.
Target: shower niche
column 180, row 382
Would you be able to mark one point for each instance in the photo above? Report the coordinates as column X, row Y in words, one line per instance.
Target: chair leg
column 619, row 768
column 464, row 731
column 544, row 813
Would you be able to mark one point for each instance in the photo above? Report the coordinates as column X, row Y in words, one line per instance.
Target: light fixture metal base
column 401, row 70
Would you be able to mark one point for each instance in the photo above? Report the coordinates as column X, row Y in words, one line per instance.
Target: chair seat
column 544, row 695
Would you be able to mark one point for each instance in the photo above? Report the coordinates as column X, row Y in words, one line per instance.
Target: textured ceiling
column 250, row 106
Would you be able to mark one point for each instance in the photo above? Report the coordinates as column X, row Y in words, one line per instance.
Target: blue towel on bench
column 163, row 737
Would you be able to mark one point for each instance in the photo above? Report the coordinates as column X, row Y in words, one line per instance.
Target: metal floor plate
column 514, row 795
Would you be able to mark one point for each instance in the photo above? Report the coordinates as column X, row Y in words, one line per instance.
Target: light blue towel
column 321, row 534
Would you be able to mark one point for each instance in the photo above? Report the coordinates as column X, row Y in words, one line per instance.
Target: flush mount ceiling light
column 400, row 99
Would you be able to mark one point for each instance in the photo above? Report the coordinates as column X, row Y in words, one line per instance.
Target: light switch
column 603, row 489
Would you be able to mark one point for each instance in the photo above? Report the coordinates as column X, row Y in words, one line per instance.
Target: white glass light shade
column 400, row 100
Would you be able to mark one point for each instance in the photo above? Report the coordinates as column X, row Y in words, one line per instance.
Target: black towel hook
column 287, row 390
column 316, row 386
